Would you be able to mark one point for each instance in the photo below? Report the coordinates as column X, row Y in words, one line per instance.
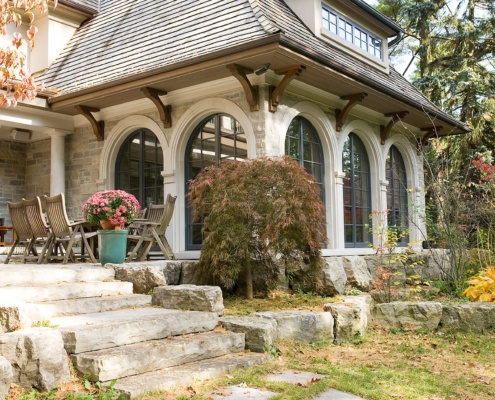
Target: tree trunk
column 249, row 282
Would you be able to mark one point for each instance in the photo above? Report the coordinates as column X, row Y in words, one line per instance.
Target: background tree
column 261, row 216
column 449, row 50
column 452, row 45
column 15, row 78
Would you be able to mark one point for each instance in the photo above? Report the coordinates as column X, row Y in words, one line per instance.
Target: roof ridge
column 268, row 25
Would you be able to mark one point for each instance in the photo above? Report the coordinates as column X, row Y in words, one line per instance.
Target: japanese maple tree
column 261, row 216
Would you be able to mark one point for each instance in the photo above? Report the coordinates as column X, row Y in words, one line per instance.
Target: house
column 140, row 95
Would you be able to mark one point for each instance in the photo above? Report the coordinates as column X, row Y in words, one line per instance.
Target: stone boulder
column 409, row 315
column 357, row 273
column 172, row 270
column 351, row 317
column 260, row 333
column 16, row 315
column 37, row 356
column 389, row 263
column 334, row 278
column 6, row 377
column 305, row 326
column 189, row 298
column 436, row 264
column 472, row 317
column 144, row 276
column 188, row 274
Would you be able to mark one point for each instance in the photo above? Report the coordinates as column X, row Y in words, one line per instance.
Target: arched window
column 397, row 194
column 303, row 144
column 139, row 166
column 357, row 192
column 219, row 137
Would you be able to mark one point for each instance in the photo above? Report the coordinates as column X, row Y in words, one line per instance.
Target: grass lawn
column 384, row 364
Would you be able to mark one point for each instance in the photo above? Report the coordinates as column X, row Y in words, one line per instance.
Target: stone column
column 57, row 156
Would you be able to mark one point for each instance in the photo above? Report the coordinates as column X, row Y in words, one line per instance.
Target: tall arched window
column 303, row 144
column 219, row 137
column 139, row 166
column 397, row 194
column 357, row 192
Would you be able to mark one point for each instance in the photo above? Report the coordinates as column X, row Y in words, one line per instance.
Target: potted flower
column 112, row 210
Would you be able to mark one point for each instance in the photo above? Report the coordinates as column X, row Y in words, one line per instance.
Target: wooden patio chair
column 66, row 233
column 42, row 235
column 151, row 232
column 24, row 236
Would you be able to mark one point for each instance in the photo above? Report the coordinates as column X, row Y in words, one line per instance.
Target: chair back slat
column 19, row 221
column 36, row 220
column 155, row 213
column 57, row 215
column 167, row 215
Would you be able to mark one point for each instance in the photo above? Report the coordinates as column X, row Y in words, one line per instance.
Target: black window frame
column 397, row 194
column 352, row 142
column 348, row 30
column 140, row 192
column 302, row 123
column 188, row 162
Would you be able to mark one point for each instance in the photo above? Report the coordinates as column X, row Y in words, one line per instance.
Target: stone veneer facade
column 90, row 165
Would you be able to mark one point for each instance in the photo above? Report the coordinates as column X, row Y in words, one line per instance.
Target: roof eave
column 349, row 72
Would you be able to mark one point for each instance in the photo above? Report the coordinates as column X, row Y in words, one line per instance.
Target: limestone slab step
column 89, row 332
column 63, row 291
column 25, row 275
column 137, row 358
column 168, row 378
column 50, row 309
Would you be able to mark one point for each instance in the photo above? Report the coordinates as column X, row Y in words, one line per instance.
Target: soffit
column 316, row 75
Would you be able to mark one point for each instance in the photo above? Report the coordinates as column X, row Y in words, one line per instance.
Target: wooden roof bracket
column 341, row 115
column 165, row 112
column 385, row 130
column 276, row 92
column 431, row 131
column 98, row 126
column 240, row 73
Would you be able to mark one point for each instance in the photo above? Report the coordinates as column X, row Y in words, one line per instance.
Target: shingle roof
column 133, row 36
column 128, row 37
column 298, row 34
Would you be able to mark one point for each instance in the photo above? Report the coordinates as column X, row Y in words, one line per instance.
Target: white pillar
column 57, row 156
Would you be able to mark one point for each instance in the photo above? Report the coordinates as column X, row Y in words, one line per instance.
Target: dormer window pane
column 351, row 32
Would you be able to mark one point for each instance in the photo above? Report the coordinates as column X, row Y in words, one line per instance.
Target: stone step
column 89, row 332
column 25, row 275
column 137, row 358
column 168, row 378
column 63, row 291
column 58, row 308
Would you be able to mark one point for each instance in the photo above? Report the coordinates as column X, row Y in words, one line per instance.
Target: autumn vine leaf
column 16, row 81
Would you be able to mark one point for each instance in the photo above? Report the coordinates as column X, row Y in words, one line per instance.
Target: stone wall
column 82, row 163
column 13, row 173
column 38, row 169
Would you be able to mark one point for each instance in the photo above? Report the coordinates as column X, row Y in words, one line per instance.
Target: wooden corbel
column 165, row 112
column 98, row 126
column 430, row 131
column 240, row 73
column 342, row 114
column 276, row 92
column 385, row 130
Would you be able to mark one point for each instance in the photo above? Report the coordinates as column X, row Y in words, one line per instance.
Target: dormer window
column 351, row 32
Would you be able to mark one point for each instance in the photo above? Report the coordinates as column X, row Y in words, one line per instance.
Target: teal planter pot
column 112, row 246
